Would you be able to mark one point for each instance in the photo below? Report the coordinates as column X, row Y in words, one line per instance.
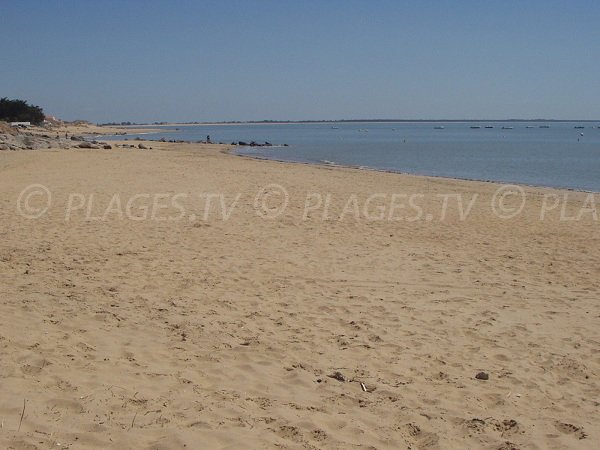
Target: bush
column 20, row 111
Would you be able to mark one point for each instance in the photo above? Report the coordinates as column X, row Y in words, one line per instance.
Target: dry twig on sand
column 133, row 420
column 22, row 414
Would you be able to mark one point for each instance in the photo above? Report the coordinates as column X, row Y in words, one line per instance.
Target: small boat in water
column 529, row 126
column 507, row 128
column 363, row 130
column 335, row 128
column 475, row 127
column 544, row 126
column 438, row 128
column 489, row 126
column 579, row 127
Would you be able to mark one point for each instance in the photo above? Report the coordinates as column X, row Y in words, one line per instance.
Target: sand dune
column 255, row 333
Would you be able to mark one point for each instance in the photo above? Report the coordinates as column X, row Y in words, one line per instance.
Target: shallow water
column 562, row 155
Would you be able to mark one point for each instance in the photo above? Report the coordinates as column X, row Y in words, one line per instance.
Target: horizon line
column 217, row 122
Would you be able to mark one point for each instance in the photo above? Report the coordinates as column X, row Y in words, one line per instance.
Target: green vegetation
column 20, row 111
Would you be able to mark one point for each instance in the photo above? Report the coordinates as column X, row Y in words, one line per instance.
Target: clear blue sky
column 244, row 60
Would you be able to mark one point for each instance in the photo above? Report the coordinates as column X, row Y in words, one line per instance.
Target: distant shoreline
column 291, row 122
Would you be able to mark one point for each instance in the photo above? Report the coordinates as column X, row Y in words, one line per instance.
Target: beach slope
column 292, row 311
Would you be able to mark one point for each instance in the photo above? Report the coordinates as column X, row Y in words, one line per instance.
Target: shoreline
column 440, row 177
column 86, row 133
column 232, row 150
column 499, row 182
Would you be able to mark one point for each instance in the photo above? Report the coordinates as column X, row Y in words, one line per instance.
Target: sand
column 250, row 332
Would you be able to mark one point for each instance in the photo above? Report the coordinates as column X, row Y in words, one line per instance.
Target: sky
column 146, row 61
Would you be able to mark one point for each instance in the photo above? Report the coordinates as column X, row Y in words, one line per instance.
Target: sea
column 552, row 154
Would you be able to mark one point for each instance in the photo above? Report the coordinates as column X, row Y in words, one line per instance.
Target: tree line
column 20, row 111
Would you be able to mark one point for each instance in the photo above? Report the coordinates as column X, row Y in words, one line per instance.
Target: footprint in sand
column 568, row 428
column 416, row 436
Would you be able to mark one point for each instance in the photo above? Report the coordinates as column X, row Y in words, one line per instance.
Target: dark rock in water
column 337, row 376
column 142, row 147
column 107, row 146
column 482, row 376
column 76, row 138
column 285, row 145
column 163, row 140
column 252, row 144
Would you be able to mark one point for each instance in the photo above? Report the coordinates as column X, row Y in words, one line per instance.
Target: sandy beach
column 186, row 297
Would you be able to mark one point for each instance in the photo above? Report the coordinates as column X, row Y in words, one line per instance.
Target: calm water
column 558, row 156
